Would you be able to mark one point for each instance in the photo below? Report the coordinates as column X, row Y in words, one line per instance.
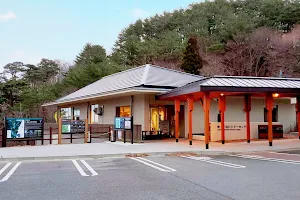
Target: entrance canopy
column 222, row 86
column 235, row 86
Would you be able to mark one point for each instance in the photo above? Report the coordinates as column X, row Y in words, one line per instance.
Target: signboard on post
column 73, row 126
column 124, row 123
column 24, row 128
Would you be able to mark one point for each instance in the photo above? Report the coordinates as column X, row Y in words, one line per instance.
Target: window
column 123, row 111
column 94, row 116
column 274, row 114
column 66, row 113
column 76, row 113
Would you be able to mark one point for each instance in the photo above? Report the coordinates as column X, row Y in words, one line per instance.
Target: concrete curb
column 124, row 155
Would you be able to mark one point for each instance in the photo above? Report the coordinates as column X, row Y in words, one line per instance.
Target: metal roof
column 238, row 84
column 144, row 76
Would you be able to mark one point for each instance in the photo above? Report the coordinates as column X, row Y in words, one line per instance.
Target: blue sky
column 58, row 29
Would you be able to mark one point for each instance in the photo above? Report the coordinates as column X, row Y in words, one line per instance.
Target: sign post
column 123, row 124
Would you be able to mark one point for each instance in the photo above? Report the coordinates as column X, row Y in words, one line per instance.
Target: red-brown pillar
column 298, row 114
column 206, row 106
column 222, row 109
column 247, row 108
column 177, row 110
column 190, row 118
column 269, row 106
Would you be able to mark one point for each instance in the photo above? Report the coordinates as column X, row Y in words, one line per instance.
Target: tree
column 13, row 68
column 90, row 65
column 192, row 61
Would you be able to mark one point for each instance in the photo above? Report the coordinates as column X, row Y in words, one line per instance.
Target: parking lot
column 267, row 175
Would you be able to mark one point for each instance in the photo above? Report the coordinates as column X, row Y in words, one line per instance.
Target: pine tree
column 192, row 62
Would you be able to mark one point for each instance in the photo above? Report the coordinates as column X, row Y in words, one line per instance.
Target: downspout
column 131, row 105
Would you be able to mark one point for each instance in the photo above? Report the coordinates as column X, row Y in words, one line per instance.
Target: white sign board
column 164, row 126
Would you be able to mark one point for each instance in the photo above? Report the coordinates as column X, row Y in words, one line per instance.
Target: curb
column 125, row 155
column 122, row 155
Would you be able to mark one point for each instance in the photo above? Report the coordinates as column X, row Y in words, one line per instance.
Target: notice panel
column 24, row 127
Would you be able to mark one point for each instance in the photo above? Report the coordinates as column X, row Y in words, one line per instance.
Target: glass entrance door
column 157, row 114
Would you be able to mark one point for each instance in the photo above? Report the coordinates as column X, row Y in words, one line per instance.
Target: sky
column 58, row 29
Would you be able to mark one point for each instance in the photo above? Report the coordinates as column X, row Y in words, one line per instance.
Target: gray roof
column 240, row 81
column 143, row 76
column 242, row 84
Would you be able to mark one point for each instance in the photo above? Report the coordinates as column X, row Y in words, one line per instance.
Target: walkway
column 106, row 149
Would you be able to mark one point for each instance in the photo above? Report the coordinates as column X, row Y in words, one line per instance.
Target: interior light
column 275, row 95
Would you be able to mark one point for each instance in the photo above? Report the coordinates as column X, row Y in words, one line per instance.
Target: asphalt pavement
column 170, row 177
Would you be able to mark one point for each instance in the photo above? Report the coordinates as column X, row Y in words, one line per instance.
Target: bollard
column 50, row 135
column 90, row 134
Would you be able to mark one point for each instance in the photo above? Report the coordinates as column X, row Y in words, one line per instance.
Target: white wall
column 110, row 105
column 235, row 113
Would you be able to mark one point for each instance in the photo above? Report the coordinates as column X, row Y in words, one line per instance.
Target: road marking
column 11, row 171
column 4, row 168
column 80, row 170
column 94, row 173
column 146, row 162
column 267, row 159
column 216, row 162
column 169, row 168
column 289, row 154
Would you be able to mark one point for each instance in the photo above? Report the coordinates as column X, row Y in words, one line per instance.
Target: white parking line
column 80, row 170
column 289, row 154
column 216, row 162
column 4, row 168
column 169, row 168
column 10, row 172
column 267, row 159
column 94, row 173
column 147, row 162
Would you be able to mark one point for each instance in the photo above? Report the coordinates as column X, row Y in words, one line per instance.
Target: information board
column 73, row 126
column 24, row 127
column 123, row 123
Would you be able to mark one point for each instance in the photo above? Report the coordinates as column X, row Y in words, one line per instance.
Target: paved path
column 168, row 177
column 121, row 149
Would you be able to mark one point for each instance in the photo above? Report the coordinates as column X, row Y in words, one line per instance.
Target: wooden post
column 269, row 106
column 298, row 114
column 190, row 118
column 247, row 109
column 206, row 105
column 86, row 130
column 177, row 110
column 59, row 130
column 222, row 108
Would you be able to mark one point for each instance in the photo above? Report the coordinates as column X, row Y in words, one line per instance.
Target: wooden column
column 86, row 130
column 269, row 106
column 190, row 118
column 247, row 109
column 59, row 124
column 298, row 114
column 206, row 106
column 222, row 109
column 177, row 110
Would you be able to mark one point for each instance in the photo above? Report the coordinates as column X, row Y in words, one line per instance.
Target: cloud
column 139, row 13
column 7, row 16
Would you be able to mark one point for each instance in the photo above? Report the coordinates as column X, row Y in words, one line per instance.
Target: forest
column 221, row 37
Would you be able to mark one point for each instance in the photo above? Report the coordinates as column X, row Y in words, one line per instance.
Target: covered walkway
column 220, row 87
